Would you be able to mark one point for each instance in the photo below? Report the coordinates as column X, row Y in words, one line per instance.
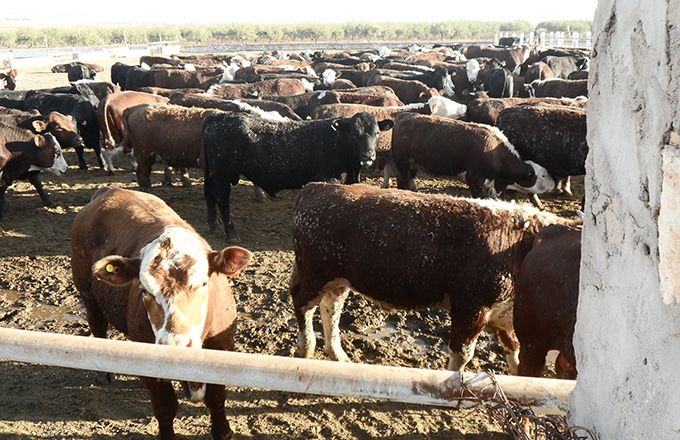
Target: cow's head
column 49, row 156
column 64, row 128
column 361, row 133
column 173, row 274
column 534, row 180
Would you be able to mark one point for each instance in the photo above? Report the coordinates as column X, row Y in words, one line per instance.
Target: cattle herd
column 499, row 119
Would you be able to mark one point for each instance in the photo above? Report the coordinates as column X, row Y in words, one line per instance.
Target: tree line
column 260, row 33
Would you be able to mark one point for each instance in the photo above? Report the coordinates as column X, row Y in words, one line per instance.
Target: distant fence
column 550, row 39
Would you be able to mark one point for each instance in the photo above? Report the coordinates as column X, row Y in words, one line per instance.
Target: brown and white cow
column 143, row 270
column 407, row 251
column 546, row 301
column 110, row 114
column 23, row 155
column 61, row 126
column 478, row 154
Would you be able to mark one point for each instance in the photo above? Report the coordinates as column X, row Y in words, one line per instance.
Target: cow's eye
column 205, row 283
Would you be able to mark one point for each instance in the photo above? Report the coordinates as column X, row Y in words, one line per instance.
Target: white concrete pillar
column 627, row 339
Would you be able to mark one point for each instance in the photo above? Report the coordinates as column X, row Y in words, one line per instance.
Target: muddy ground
column 37, row 293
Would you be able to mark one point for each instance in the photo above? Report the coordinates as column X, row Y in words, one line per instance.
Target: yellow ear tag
column 110, row 268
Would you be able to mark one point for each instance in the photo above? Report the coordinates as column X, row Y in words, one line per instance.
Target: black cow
column 79, row 71
column 118, row 72
column 276, row 156
column 13, row 99
column 78, row 107
column 499, row 83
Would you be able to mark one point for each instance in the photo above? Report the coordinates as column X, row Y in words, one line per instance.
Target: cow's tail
column 109, row 142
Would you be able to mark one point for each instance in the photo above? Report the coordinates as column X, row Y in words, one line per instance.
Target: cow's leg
column 167, row 175
column 184, row 177
column 403, row 175
column 567, row 186
column 37, row 184
column 536, row 201
column 164, row 404
column 532, row 359
column 210, row 202
column 466, row 325
column 143, row 171
column 3, row 190
column 214, row 401
column 80, row 152
column 500, row 320
column 389, row 171
column 260, row 195
column 98, row 325
column 564, row 369
column 98, row 152
column 331, row 305
column 108, row 158
column 223, row 194
column 304, row 314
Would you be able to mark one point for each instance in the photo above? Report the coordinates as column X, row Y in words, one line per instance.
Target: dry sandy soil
column 37, row 293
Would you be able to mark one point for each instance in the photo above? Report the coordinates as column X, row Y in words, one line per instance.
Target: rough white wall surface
column 627, row 340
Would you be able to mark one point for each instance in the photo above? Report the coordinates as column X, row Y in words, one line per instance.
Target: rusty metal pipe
column 397, row 384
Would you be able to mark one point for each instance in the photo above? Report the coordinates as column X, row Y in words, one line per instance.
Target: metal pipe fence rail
column 398, row 384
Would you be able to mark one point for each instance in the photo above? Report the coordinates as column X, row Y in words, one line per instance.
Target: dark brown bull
column 546, row 301
column 481, row 154
column 409, row 251
column 270, row 87
column 143, row 270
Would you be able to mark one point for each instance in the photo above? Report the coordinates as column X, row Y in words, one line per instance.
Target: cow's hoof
column 82, row 167
column 110, row 172
column 51, row 205
column 340, row 357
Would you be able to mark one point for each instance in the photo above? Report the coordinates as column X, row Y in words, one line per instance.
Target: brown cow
column 539, row 70
column 408, row 91
column 546, row 300
column 480, row 154
column 171, row 132
column 406, row 251
column 559, row 88
column 146, row 272
column 8, row 80
column 487, row 110
column 269, row 87
column 112, row 124
column 62, row 127
column 201, row 78
column 512, row 57
column 579, row 74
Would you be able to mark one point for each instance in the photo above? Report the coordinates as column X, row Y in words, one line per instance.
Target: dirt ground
column 37, row 293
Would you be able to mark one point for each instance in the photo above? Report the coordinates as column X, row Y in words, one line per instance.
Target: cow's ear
column 39, row 125
column 229, row 261
column 39, row 141
column 340, row 124
column 385, row 124
column 116, row 270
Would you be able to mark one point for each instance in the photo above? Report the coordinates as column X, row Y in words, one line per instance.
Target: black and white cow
column 283, row 155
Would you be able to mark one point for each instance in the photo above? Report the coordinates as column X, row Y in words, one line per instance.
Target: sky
column 43, row 12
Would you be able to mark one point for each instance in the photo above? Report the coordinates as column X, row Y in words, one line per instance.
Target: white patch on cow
column 321, row 95
column 306, row 336
column 183, row 243
column 229, row 72
column 517, row 70
column 490, row 185
column 109, row 154
column 145, row 66
column 498, row 133
column 189, row 67
column 270, row 116
column 458, row 361
column 373, row 57
column 500, row 318
column 328, row 77
column 333, row 298
column 472, row 70
column 311, row 72
column 307, row 85
column 441, row 106
column 384, row 51
column 544, row 181
column 414, row 48
column 59, row 166
column 197, row 395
